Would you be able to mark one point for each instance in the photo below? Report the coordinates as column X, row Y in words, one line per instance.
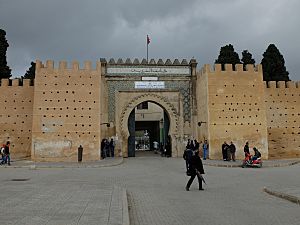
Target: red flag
column 148, row 40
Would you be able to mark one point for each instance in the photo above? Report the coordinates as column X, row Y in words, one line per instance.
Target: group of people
column 193, row 145
column 228, row 151
column 248, row 156
column 193, row 162
column 5, row 154
column 107, row 148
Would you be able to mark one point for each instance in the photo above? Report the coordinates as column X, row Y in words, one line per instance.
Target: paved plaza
column 152, row 188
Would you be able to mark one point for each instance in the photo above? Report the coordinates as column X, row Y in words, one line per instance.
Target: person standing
column 246, row 149
column 112, row 147
column 7, row 153
column 103, row 153
column 232, row 151
column 224, row 150
column 188, row 145
column 2, row 154
column 196, row 169
column 155, row 146
column 168, row 147
column 197, row 145
column 106, row 148
column 192, row 146
column 205, row 149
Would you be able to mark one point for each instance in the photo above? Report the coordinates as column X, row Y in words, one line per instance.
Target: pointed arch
column 160, row 100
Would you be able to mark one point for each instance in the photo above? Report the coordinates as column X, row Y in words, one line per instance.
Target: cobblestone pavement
column 59, row 196
column 231, row 196
column 156, row 194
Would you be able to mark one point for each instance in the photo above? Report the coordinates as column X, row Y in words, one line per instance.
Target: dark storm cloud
column 87, row 30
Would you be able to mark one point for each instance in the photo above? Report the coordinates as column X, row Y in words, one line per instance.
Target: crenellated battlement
column 15, row 83
column 63, row 65
column 152, row 62
column 217, row 68
column 282, row 84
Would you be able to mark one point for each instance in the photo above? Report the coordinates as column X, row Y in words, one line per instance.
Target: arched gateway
column 173, row 114
column 167, row 84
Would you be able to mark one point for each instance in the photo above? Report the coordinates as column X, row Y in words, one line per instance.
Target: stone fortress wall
column 235, row 108
column 282, row 101
column 66, row 111
column 67, row 104
column 16, row 116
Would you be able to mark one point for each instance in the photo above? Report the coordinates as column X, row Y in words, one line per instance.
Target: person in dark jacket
column 246, row 149
column 225, row 148
column 257, row 154
column 111, row 146
column 197, row 145
column 187, row 155
column 103, row 153
column 196, row 169
column 192, row 146
column 232, row 150
column 7, row 153
column 168, row 147
column 188, row 145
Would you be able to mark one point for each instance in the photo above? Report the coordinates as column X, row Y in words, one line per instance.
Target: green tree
column 228, row 56
column 5, row 71
column 247, row 58
column 30, row 73
column 273, row 65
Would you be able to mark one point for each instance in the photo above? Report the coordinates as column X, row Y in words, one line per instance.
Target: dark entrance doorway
column 148, row 126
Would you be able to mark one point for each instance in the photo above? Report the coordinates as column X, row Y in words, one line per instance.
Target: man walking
column 196, row 169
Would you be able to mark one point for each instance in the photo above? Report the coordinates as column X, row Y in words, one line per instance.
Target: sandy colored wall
column 67, row 104
column 236, row 109
column 66, row 111
column 202, row 100
column 283, row 114
column 16, row 116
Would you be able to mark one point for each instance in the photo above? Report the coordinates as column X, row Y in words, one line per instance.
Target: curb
column 79, row 165
column 264, row 165
column 221, row 165
column 282, row 195
column 285, row 164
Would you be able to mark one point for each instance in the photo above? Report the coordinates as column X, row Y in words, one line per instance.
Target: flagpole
column 148, row 42
column 147, row 52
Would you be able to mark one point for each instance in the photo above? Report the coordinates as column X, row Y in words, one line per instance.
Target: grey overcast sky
column 87, row 30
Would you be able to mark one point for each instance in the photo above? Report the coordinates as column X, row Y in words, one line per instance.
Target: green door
column 131, row 139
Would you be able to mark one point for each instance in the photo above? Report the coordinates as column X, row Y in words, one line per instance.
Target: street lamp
column 107, row 124
column 199, row 123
